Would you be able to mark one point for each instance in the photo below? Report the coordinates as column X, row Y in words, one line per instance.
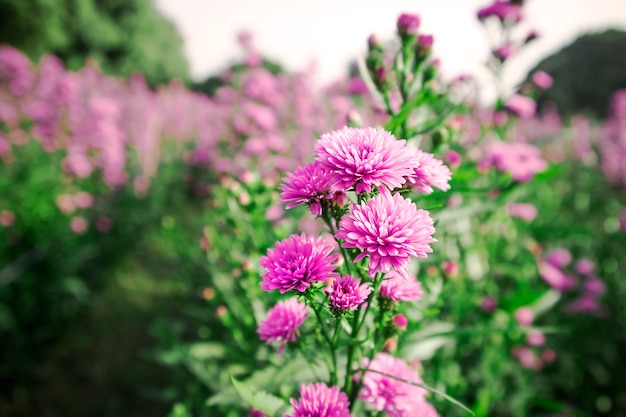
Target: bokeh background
column 98, row 324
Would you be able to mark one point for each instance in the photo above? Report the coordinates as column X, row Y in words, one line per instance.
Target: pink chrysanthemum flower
column 397, row 288
column 320, row 400
column 283, row 322
column 364, row 157
column 390, row 230
column 310, row 184
column 347, row 293
column 395, row 396
column 428, row 172
column 296, row 262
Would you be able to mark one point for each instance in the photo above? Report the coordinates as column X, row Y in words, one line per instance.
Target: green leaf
column 260, row 400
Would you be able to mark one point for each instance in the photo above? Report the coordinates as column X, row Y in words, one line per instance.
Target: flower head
column 428, row 172
column 310, row 184
column 347, row 293
column 296, row 262
column 283, row 322
column 397, row 288
column 390, row 230
column 408, row 24
column 396, row 396
column 542, row 79
column 523, row 211
column 363, row 158
column 503, row 10
column 320, row 400
column 522, row 106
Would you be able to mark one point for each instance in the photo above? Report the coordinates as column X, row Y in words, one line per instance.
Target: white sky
column 331, row 32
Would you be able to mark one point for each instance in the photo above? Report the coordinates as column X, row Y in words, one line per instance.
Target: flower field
column 388, row 245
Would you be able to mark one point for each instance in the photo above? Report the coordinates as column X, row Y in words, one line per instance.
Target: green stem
column 331, row 344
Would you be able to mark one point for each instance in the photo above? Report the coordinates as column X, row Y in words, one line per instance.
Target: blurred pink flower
column 395, row 287
column 522, row 211
column 522, row 106
column 542, row 79
column 524, row 316
column 428, row 172
column 283, row 322
column 7, row 218
column 79, row 225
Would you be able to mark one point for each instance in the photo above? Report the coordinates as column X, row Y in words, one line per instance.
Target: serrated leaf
column 260, row 400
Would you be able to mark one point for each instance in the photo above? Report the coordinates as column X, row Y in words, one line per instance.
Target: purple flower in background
column 394, row 396
column 522, row 106
column 556, row 278
column 408, row 24
column 347, row 293
column 505, row 51
column 524, row 316
column 428, row 172
column 296, row 262
column 522, row 211
column 395, row 287
column 320, row 400
column 489, row 304
column 364, row 158
column 503, row 10
column 559, row 257
column 585, row 266
column 521, row 160
column 542, row 79
column 310, row 184
column 390, row 230
column 535, row 338
column 283, row 322
column 622, row 220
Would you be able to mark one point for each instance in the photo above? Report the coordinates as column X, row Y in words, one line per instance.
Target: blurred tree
column 123, row 36
column 585, row 73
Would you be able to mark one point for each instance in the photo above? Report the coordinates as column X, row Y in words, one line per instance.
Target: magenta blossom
column 556, row 278
column 408, row 24
column 542, row 79
column 397, row 288
column 347, row 293
column 523, row 211
column 522, row 106
column 390, row 230
column 364, row 158
column 428, row 172
column 320, row 400
column 503, row 10
column 283, row 322
column 397, row 397
column 296, row 262
column 558, row 257
column 310, row 184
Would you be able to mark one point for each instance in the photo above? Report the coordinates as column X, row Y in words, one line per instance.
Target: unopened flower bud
column 354, row 119
column 400, row 321
column 408, row 24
